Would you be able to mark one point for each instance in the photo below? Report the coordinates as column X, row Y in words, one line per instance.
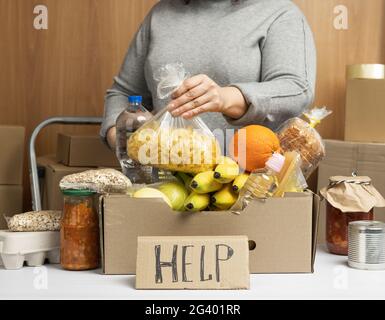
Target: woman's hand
column 200, row 94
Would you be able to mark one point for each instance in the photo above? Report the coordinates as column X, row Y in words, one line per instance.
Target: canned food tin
column 366, row 245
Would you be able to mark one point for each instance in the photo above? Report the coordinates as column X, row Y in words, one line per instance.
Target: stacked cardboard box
column 75, row 153
column 11, row 171
column 363, row 150
column 342, row 159
column 84, row 151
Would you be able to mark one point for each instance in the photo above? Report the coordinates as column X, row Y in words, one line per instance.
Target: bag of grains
column 34, row 221
column 100, row 181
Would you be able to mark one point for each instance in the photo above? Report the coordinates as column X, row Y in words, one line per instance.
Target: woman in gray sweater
column 252, row 61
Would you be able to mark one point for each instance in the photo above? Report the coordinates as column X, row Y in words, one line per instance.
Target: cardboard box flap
column 316, row 211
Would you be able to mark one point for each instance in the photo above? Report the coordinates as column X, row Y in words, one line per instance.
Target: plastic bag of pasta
column 301, row 136
column 174, row 143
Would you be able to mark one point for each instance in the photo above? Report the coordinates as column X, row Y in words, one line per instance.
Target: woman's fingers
column 207, row 107
column 201, row 100
column 191, row 95
column 188, row 84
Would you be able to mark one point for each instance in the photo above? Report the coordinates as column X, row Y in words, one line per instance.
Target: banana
column 197, row 202
column 224, row 198
column 239, row 182
column 185, row 179
column 226, row 171
column 204, row 183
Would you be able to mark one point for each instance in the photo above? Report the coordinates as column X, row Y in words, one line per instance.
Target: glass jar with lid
column 79, row 233
column 348, row 199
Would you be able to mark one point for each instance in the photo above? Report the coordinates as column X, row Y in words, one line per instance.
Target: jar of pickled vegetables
column 79, row 233
column 348, row 199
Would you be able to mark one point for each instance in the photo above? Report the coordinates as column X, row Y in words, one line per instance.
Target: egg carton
column 34, row 248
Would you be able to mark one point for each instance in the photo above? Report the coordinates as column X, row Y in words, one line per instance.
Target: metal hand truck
column 33, row 172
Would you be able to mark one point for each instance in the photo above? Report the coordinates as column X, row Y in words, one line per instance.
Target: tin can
column 366, row 245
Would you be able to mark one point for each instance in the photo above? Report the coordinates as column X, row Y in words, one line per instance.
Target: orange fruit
column 252, row 146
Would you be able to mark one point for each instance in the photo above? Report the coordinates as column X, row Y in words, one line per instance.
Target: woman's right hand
column 111, row 138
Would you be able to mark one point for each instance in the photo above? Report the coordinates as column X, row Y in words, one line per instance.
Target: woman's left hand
column 200, row 94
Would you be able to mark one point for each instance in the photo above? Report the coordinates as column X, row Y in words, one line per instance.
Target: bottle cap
column 276, row 162
column 135, row 99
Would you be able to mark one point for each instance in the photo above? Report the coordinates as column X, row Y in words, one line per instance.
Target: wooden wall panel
column 363, row 42
column 66, row 69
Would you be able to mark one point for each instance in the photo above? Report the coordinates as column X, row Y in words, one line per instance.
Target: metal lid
column 78, row 193
column 368, row 226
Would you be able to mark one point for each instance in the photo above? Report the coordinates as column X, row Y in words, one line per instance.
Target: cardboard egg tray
column 32, row 248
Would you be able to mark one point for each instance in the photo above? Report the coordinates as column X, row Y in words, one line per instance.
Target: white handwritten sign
column 220, row 262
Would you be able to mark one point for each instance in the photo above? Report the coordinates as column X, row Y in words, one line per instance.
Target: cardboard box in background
column 12, row 153
column 365, row 110
column 84, row 151
column 282, row 231
column 11, row 202
column 343, row 158
column 52, row 198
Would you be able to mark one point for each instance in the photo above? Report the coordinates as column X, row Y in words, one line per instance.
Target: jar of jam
column 348, row 199
column 79, row 232
column 337, row 223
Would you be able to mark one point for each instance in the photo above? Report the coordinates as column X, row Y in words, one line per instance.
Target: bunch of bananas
column 213, row 190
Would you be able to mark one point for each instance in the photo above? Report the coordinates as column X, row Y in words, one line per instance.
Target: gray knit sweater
column 263, row 47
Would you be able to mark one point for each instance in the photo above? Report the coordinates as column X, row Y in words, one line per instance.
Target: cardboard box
column 52, row 198
column 11, row 202
column 84, row 151
column 215, row 262
column 365, row 110
column 12, row 155
column 343, row 158
column 282, row 231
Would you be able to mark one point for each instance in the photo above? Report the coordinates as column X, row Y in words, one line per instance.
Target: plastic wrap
column 174, row 143
column 299, row 135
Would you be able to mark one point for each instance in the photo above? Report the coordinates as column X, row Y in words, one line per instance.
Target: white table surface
column 332, row 279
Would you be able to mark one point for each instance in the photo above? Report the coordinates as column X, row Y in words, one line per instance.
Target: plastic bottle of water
column 131, row 119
